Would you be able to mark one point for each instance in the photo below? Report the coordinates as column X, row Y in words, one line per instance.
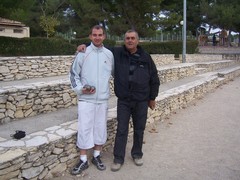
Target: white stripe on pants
column 92, row 124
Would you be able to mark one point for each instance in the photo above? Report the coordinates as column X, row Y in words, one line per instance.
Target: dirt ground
column 200, row 142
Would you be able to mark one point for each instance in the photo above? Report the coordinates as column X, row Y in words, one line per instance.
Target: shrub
column 107, row 42
column 170, row 47
column 35, row 46
column 39, row 46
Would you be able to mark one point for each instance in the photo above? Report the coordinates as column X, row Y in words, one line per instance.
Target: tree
column 7, row 7
column 223, row 14
column 173, row 14
column 48, row 23
column 86, row 14
column 30, row 11
column 142, row 16
column 16, row 10
column 48, row 19
column 119, row 15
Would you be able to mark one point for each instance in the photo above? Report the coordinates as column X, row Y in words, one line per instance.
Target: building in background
column 10, row 28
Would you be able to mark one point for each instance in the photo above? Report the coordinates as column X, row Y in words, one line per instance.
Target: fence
column 160, row 37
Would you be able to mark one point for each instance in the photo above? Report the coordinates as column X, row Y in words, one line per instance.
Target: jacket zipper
column 97, row 75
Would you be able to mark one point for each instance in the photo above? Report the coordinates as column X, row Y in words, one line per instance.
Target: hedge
column 34, row 46
column 56, row 46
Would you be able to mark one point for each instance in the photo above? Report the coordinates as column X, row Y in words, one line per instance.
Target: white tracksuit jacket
column 94, row 68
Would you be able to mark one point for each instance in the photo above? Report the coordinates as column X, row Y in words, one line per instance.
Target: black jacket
column 135, row 76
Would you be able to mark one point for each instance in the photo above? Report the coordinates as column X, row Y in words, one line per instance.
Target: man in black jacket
column 136, row 85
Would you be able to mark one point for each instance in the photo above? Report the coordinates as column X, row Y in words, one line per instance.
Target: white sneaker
column 138, row 161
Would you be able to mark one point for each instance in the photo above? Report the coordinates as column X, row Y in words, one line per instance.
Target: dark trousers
column 138, row 111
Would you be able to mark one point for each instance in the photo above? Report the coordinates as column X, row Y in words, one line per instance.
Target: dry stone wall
column 17, row 102
column 43, row 154
column 22, row 101
column 26, row 67
column 203, row 57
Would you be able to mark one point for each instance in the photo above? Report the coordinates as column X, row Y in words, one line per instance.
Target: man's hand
column 81, row 48
column 88, row 89
column 152, row 104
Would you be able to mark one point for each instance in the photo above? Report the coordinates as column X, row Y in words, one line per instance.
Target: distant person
column 89, row 75
column 136, row 84
column 214, row 40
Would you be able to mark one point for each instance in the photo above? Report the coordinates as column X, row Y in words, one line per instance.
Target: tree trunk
column 229, row 38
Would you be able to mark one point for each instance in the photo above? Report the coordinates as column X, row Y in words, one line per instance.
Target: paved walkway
column 201, row 142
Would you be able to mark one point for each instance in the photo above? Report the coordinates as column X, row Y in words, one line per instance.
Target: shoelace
column 99, row 162
column 81, row 164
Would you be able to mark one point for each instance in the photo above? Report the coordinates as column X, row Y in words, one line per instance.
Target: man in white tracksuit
column 89, row 75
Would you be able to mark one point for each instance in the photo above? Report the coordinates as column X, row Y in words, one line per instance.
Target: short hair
column 130, row 31
column 97, row 27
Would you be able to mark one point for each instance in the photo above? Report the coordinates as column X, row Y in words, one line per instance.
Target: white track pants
column 92, row 124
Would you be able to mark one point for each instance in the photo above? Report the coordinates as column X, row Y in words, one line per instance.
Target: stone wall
column 170, row 73
column 211, row 66
column 24, row 101
column 26, row 67
column 164, row 59
column 202, row 57
column 43, row 154
column 17, row 102
column 232, row 56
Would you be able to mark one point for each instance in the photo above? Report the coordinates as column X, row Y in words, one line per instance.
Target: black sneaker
column 79, row 167
column 98, row 163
